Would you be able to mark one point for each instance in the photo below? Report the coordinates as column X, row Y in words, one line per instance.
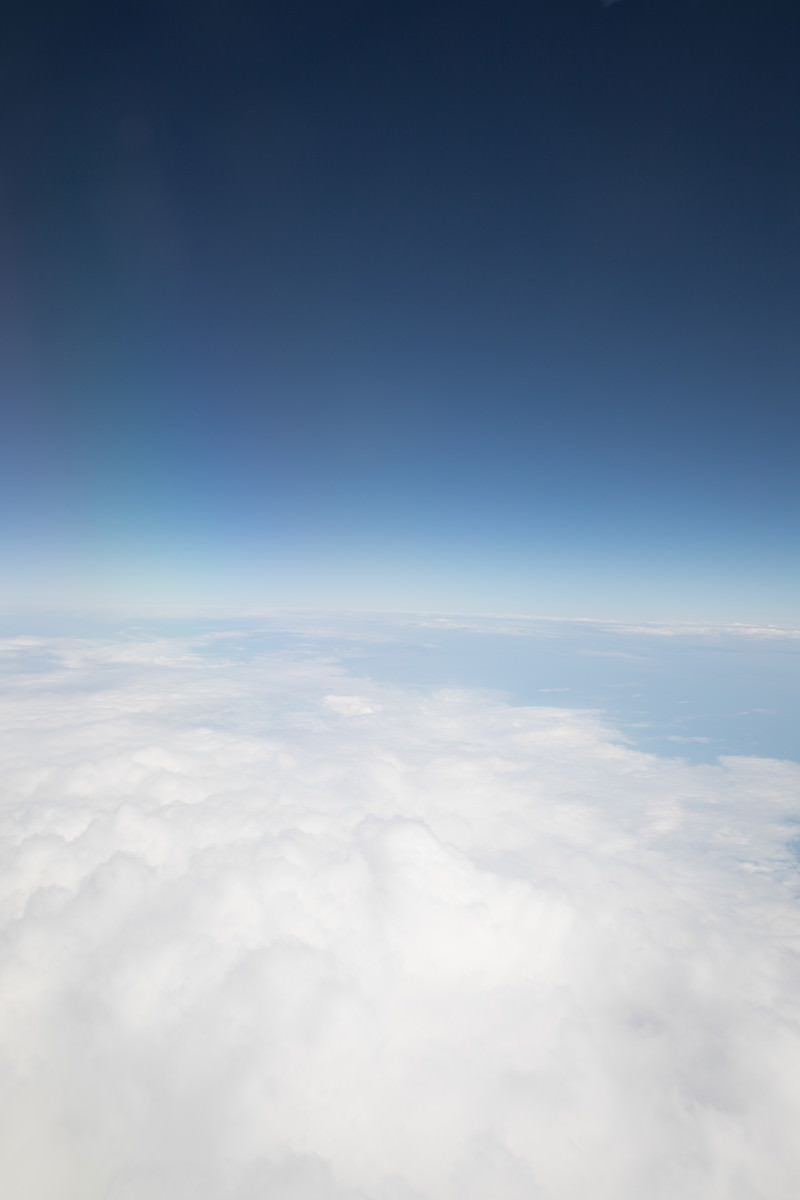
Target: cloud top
column 271, row 931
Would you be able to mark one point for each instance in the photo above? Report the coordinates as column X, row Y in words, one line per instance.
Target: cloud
column 272, row 931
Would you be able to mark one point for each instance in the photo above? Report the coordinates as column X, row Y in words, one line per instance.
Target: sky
column 432, row 306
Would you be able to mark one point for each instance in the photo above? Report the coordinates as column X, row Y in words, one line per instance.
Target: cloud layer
column 272, row 933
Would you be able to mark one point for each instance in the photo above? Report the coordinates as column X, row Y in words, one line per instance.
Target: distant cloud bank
column 272, row 932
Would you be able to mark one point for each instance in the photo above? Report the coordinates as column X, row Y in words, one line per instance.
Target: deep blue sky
column 479, row 306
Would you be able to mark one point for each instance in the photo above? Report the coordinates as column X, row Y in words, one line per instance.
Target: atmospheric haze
column 276, row 931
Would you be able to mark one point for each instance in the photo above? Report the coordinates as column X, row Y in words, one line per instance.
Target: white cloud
column 350, row 706
column 273, row 933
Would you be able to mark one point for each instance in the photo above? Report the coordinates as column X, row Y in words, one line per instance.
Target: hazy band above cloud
column 270, row 934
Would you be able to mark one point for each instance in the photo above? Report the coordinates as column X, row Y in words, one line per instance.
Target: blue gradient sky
column 459, row 306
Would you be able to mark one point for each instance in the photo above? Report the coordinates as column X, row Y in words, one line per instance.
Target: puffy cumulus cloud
column 273, row 933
